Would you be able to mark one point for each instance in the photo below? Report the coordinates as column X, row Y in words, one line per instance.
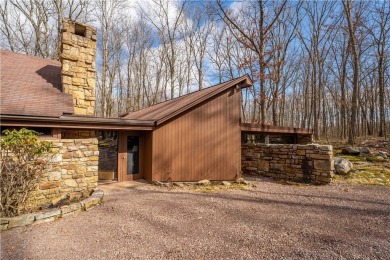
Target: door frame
column 122, row 156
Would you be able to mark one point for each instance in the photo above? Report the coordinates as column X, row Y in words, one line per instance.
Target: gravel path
column 271, row 221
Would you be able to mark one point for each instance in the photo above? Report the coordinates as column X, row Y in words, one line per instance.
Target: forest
column 315, row 64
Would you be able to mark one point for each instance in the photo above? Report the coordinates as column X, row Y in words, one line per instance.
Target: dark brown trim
column 111, row 121
column 242, row 82
column 258, row 128
column 56, row 133
column 76, row 122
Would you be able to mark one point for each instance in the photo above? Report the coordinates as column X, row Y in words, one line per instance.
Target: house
column 189, row 138
column 196, row 136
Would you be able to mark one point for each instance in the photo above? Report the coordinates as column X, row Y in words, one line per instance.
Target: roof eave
column 66, row 121
column 246, row 82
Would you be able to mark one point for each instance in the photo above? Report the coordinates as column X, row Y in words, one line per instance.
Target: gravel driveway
column 270, row 221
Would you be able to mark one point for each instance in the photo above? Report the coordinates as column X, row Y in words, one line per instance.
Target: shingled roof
column 166, row 110
column 31, row 86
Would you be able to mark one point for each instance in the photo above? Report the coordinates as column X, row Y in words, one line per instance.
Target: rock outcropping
column 342, row 166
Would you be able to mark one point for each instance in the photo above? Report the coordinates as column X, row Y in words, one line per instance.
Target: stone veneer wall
column 308, row 163
column 78, row 54
column 71, row 174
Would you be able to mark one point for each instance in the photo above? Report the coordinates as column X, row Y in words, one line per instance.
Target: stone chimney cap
column 78, row 28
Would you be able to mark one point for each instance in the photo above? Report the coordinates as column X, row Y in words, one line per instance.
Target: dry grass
column 368, row 173
column 209, row 188
column 219, row 187
column 352, row 158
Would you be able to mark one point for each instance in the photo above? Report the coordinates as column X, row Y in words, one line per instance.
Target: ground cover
column 270, row 221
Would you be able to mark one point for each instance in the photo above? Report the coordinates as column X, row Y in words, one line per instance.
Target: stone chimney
column 78, row 55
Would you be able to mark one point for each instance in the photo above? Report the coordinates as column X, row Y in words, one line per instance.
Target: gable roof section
column 166, row 110
column 31, row 86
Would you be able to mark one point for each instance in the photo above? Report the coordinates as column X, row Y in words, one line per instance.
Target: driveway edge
column 50, row 215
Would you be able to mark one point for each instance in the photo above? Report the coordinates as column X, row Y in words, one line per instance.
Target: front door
column 130, row 167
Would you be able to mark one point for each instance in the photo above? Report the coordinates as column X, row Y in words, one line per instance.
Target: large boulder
column 342, row 166
column 365, row 150
column 350, row 151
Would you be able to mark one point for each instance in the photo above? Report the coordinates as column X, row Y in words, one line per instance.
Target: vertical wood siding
column 147, row 155
column 204, row 143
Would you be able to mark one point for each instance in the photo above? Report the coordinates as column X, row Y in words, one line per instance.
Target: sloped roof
column 166, row 110
column 31, row 86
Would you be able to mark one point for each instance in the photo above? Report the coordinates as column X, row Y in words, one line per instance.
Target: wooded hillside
column 316, row 64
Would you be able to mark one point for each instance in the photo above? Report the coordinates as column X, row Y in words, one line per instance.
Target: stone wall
column 71, row 174
column 49, row 215
column 78, row 54
column 311, row 163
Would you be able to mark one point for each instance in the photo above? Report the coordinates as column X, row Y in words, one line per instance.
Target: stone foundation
column 311, row 163
column 71, row 174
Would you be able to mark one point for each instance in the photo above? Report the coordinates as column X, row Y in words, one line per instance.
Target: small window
column 281, row 139
column 80, row 30
column 253, row 138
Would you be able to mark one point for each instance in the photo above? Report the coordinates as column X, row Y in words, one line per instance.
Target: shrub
column 22, row 160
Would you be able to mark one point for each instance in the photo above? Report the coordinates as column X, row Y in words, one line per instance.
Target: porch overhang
column 250, row 128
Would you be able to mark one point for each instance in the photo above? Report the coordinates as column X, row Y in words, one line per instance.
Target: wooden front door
column 130, row 156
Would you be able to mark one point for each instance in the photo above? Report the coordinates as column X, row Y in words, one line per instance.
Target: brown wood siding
column 147, row 156
column 204, row 143
column 121, row 154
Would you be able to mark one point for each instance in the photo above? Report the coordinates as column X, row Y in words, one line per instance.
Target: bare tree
column 352, row 22
column 109, row 15
column 70, row 9
column 251, row 26
column 379, row 31
column 281, row 37
column 37, row 13
column 27, row 25
column 315, row 41
column 197, row 30
column 322, row 65
column 167, row 24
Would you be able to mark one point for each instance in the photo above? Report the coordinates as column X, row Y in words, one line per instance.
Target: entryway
column 130, row 145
